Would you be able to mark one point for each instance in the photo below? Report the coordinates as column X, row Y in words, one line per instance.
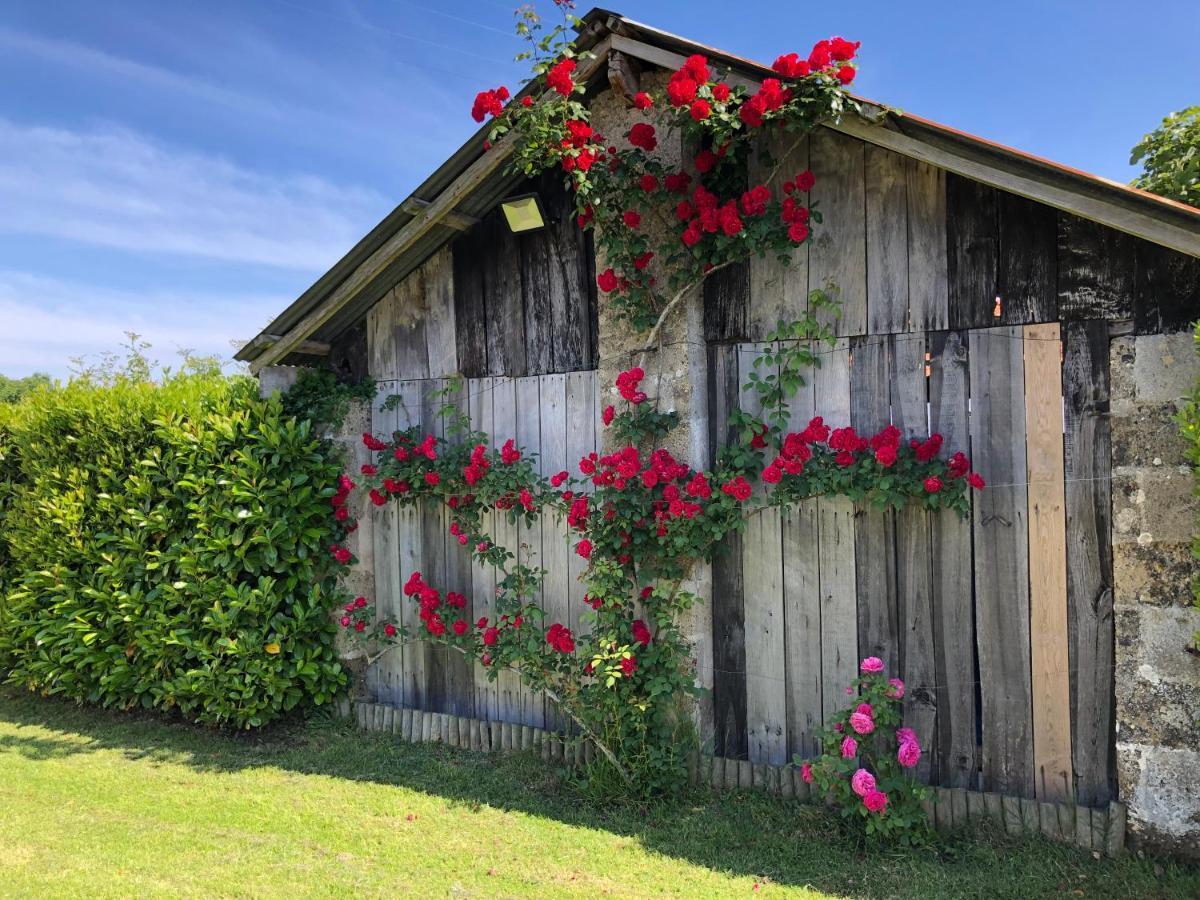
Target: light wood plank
column 409, row 530
column 838, row 250
column 409, row 321
column 483, row 577
column 1047, row 563
column 1001, row 540
column 383, row 363
column 441, row 344
column 552, row 528
column 887, row 241
column 385, row 534
column 529, row 537
column 504, row 425
column 460, row 676
column 581, row 440
column 433, row 551
column 778, row 290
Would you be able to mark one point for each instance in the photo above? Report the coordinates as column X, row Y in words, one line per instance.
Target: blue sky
column 185, row 168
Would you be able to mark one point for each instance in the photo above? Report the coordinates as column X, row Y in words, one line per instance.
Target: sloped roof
column 471, row 182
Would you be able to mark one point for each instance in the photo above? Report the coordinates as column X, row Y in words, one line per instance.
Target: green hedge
column 166, row 546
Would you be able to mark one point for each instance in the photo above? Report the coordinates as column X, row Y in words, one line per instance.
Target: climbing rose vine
column 640, row 518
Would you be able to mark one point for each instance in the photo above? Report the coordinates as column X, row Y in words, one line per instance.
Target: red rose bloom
column 705, row 160
column 389, row 629
column 584, row 548
column 805, row 181
column 490, row 636
column 641, row 633
column 772, row 474
column 648, row 183
column 677, row 182
column 607, row 281
column 641, row 262
column 886, row 455
column 628, row 666
column 559, row 77
column 632, row 218
column 696, row 68
column 842, row 50
column 846, row 74
column 700, row 110
column 933, row 484
column 720, row 92
column 642, row 135
column 460, row 627
column 607, row 415
column 976, row 481
column 432, row 479
column 641, row 100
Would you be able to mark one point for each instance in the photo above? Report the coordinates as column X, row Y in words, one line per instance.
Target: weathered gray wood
column 555, row 551
column 1027, row 270
column 1088, row 461
column 975, row 807
column 973, row 252
column 762, row 568
column 1096, row 270
column 1083, row 827
column 993, row 807
column 1100, row 829
column 914, row 560
column 871, row 382
column 835, row 515
column 729, row 645
column 433, row 554
column 581, row 440
column 502, row 289
column 483, row 576
column 536, row 283
column 951, row 554
column 470, row 311
column 1013, row 822
column 778, row 290
column 1166, row 290
column 409, row 320
column 383, row 362
column 958, row 804
column 409, row 530
column 1030, row 815
column 385, row 535
column 437, row 273
column 529, row 537
column 1002, row 559
column 459, row 669
column 928, row 284
column 887, row 241
column 1048, row 819
column 504, row 426
column 838, row 250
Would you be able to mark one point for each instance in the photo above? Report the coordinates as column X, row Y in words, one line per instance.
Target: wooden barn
column 1029, row 312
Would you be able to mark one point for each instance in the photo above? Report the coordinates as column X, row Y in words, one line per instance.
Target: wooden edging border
column 1100, row 829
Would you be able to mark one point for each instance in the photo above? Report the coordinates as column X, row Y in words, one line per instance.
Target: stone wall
column 1154, row 517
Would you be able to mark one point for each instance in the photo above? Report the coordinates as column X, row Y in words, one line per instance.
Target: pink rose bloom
column 875, row 801
column 871, row 665
column 865, row 709
column 849, row 748
column 862, row 782
column 862, row 723
column 806, row 773
column 905, row 736
column 908, row 754
column 896, row 691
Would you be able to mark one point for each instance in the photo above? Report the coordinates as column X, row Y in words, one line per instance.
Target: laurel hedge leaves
column 166, row 546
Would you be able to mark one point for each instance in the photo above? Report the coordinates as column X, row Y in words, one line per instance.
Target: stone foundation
column 1154, row 517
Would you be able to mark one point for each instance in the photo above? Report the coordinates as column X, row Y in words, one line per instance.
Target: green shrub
column 166, row 546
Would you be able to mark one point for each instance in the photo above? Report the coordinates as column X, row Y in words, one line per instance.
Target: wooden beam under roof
column 453, row 219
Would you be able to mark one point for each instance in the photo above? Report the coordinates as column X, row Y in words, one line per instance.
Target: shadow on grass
column 785, row 842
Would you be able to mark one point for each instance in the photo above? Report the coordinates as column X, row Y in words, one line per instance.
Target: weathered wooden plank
column 440, row 340
column 928, row 284
column 1089, row 558
column 529, row 537
column 727, row 304
column 874, row 530
column 570, row 279
column 460, row 676
column 1166, row 289
column 409, row 531
column 433, row 551
column 838, row 250
column 555, row 551
column 470, row 311
column 914, row 559
column 728, row 615
column 1001, row 542
column 835, row 515
column 951, row 553
column 778, row 289
column 386, row 561
column 973, row 252
column 503, row 296
column 762, row 578
column 581, row 440
column 409, row 314
column 383, row 360
column 1095, row 270
column 1047, row 563
column 483, row 577
column 504, row 426
column 887, row 241
column 802, row 603
column 535, row 287
column 1027, row 273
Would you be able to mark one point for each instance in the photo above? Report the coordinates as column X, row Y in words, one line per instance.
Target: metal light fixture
column 523, row 213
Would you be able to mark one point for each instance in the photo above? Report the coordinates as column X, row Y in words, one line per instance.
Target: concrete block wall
column 1154, row 517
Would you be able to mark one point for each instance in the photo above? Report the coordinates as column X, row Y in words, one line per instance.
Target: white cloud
column 115, row 188
column 46, row 322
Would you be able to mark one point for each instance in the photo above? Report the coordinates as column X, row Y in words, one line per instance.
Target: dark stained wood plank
column 503, row 297
column 874, row 532
column 1095, row 270
column 887, row 241
column 928, row 298
column 536, row 249
column 349, row 354
column 972, row 251
column 1166, row 290
column 729, row 643
column 1001, row 542
column 1089, row 560
column 914, row 558
column 470, row 312
column 727, row 304
column 1027, row 273
column 957, row 753
column 570, row 279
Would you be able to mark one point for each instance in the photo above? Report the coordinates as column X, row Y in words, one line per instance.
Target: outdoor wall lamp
column 523, row 213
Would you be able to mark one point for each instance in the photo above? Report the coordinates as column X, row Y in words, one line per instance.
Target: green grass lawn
column 100, row 804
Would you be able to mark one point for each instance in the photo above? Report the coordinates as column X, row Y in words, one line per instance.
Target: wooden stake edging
column 1101, row 829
